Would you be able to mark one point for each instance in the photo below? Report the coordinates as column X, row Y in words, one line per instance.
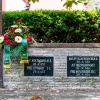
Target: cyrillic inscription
column 39, row 66
column 87, row 66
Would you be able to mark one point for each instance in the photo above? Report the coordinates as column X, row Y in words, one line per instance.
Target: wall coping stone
column 65, row 45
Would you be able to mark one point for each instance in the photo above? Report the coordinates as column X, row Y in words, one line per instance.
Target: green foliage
column 69, row 3
column 33, row 1
column 59, row 26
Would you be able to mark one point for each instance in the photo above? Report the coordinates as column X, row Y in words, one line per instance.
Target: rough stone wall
column 1, row 71
column 16, row 78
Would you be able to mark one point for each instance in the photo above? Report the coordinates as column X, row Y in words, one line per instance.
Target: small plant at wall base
column 15, row 42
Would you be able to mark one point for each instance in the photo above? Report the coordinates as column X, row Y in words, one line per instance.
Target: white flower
column 18, row 30
column 18, row 39
column 1, row 39
column 14, row 26
column 25, row 27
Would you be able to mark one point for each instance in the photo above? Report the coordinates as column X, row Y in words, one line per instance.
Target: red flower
column 12, row 43
column 14, row 36
column 19, row 20
column 29, row 38
column 6, row 36
column 8, row 41
column 12, row 30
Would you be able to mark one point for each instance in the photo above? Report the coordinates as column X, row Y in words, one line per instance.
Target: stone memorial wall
column 57, row 65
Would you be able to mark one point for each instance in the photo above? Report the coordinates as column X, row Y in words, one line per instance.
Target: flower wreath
column 15, row 42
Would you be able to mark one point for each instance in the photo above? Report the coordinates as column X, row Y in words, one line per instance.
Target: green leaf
column 35, row 1
column 29, row 0
column 83, row 40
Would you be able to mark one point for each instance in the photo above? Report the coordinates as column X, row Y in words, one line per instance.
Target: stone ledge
column 65, row 45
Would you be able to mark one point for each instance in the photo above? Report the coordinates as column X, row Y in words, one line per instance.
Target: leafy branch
column 68, row 3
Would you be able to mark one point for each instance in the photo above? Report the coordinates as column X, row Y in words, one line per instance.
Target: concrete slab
column 69, row 94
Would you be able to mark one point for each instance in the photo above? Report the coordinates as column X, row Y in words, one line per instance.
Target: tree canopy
column 68, row 3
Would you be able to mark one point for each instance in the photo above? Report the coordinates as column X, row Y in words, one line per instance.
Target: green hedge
column 59, row 26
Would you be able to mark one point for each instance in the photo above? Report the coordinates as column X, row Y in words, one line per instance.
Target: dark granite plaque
column 39, row 66
column 83, row 66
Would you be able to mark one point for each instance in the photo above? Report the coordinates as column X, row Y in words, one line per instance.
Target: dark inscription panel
column 39, row 66
column 82, row 66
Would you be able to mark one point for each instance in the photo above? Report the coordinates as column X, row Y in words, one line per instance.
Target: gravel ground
column 50, row 94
